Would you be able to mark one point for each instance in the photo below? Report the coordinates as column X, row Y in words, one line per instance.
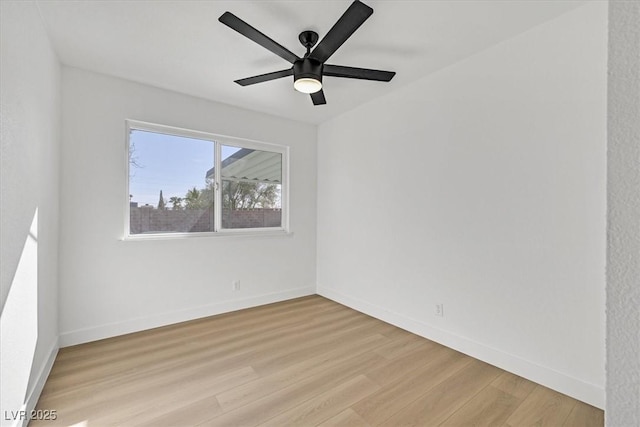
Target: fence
column 147, row 219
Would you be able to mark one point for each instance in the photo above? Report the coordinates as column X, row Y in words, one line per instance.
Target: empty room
column 305, row 213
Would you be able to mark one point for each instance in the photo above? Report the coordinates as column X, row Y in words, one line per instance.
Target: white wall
column 30, row 134
column 623, row 253
column 109, row 286
column 482, row 187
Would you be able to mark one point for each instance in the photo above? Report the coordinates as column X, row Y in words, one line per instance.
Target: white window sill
column 217, row 234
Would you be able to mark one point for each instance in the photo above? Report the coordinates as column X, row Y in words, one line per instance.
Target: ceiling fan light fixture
column 307, row 76
column 307, row 85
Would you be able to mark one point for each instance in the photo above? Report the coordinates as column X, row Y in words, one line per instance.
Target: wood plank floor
column 303, row 362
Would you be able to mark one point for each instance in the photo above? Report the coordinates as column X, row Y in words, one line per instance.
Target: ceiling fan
column 308, row 71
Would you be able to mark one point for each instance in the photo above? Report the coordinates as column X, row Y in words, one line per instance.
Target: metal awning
column 251, row 165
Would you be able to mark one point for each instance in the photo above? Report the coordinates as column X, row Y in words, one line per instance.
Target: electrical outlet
column 439, row 310
column 236, row 285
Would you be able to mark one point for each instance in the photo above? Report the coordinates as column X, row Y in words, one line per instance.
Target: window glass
column 170, row 187
column 251, row 188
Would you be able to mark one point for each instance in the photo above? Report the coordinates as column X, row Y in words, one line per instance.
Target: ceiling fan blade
column 265, row 77
column 357, row 73
column 318, row 98
column 237, row 24
column 348, row 23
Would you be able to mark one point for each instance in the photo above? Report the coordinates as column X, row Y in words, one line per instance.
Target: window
column 183, row 182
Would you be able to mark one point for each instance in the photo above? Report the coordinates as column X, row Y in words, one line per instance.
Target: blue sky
column 173, row 164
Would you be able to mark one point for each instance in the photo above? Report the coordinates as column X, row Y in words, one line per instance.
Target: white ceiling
column 181, row 46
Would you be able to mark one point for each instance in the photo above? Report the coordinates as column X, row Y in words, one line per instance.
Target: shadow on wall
column 19, row 332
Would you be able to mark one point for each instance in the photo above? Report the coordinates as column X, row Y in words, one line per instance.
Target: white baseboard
column 135, row 325
column 38, row 385
column 578, row 389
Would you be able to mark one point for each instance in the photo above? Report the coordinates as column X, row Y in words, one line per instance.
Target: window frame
column 218, row 141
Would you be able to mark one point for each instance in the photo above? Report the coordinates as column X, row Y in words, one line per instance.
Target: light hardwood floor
column 303, row 362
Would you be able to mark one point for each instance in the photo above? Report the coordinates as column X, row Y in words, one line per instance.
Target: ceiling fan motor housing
column 307, row 68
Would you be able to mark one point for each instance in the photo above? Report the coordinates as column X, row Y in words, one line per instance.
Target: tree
column 195, row 199
column 200, row 198
column 207, row 194
column 161, row 202
column 249, row 195
column 191, row 199
column 176, row 203
column 133, row 159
